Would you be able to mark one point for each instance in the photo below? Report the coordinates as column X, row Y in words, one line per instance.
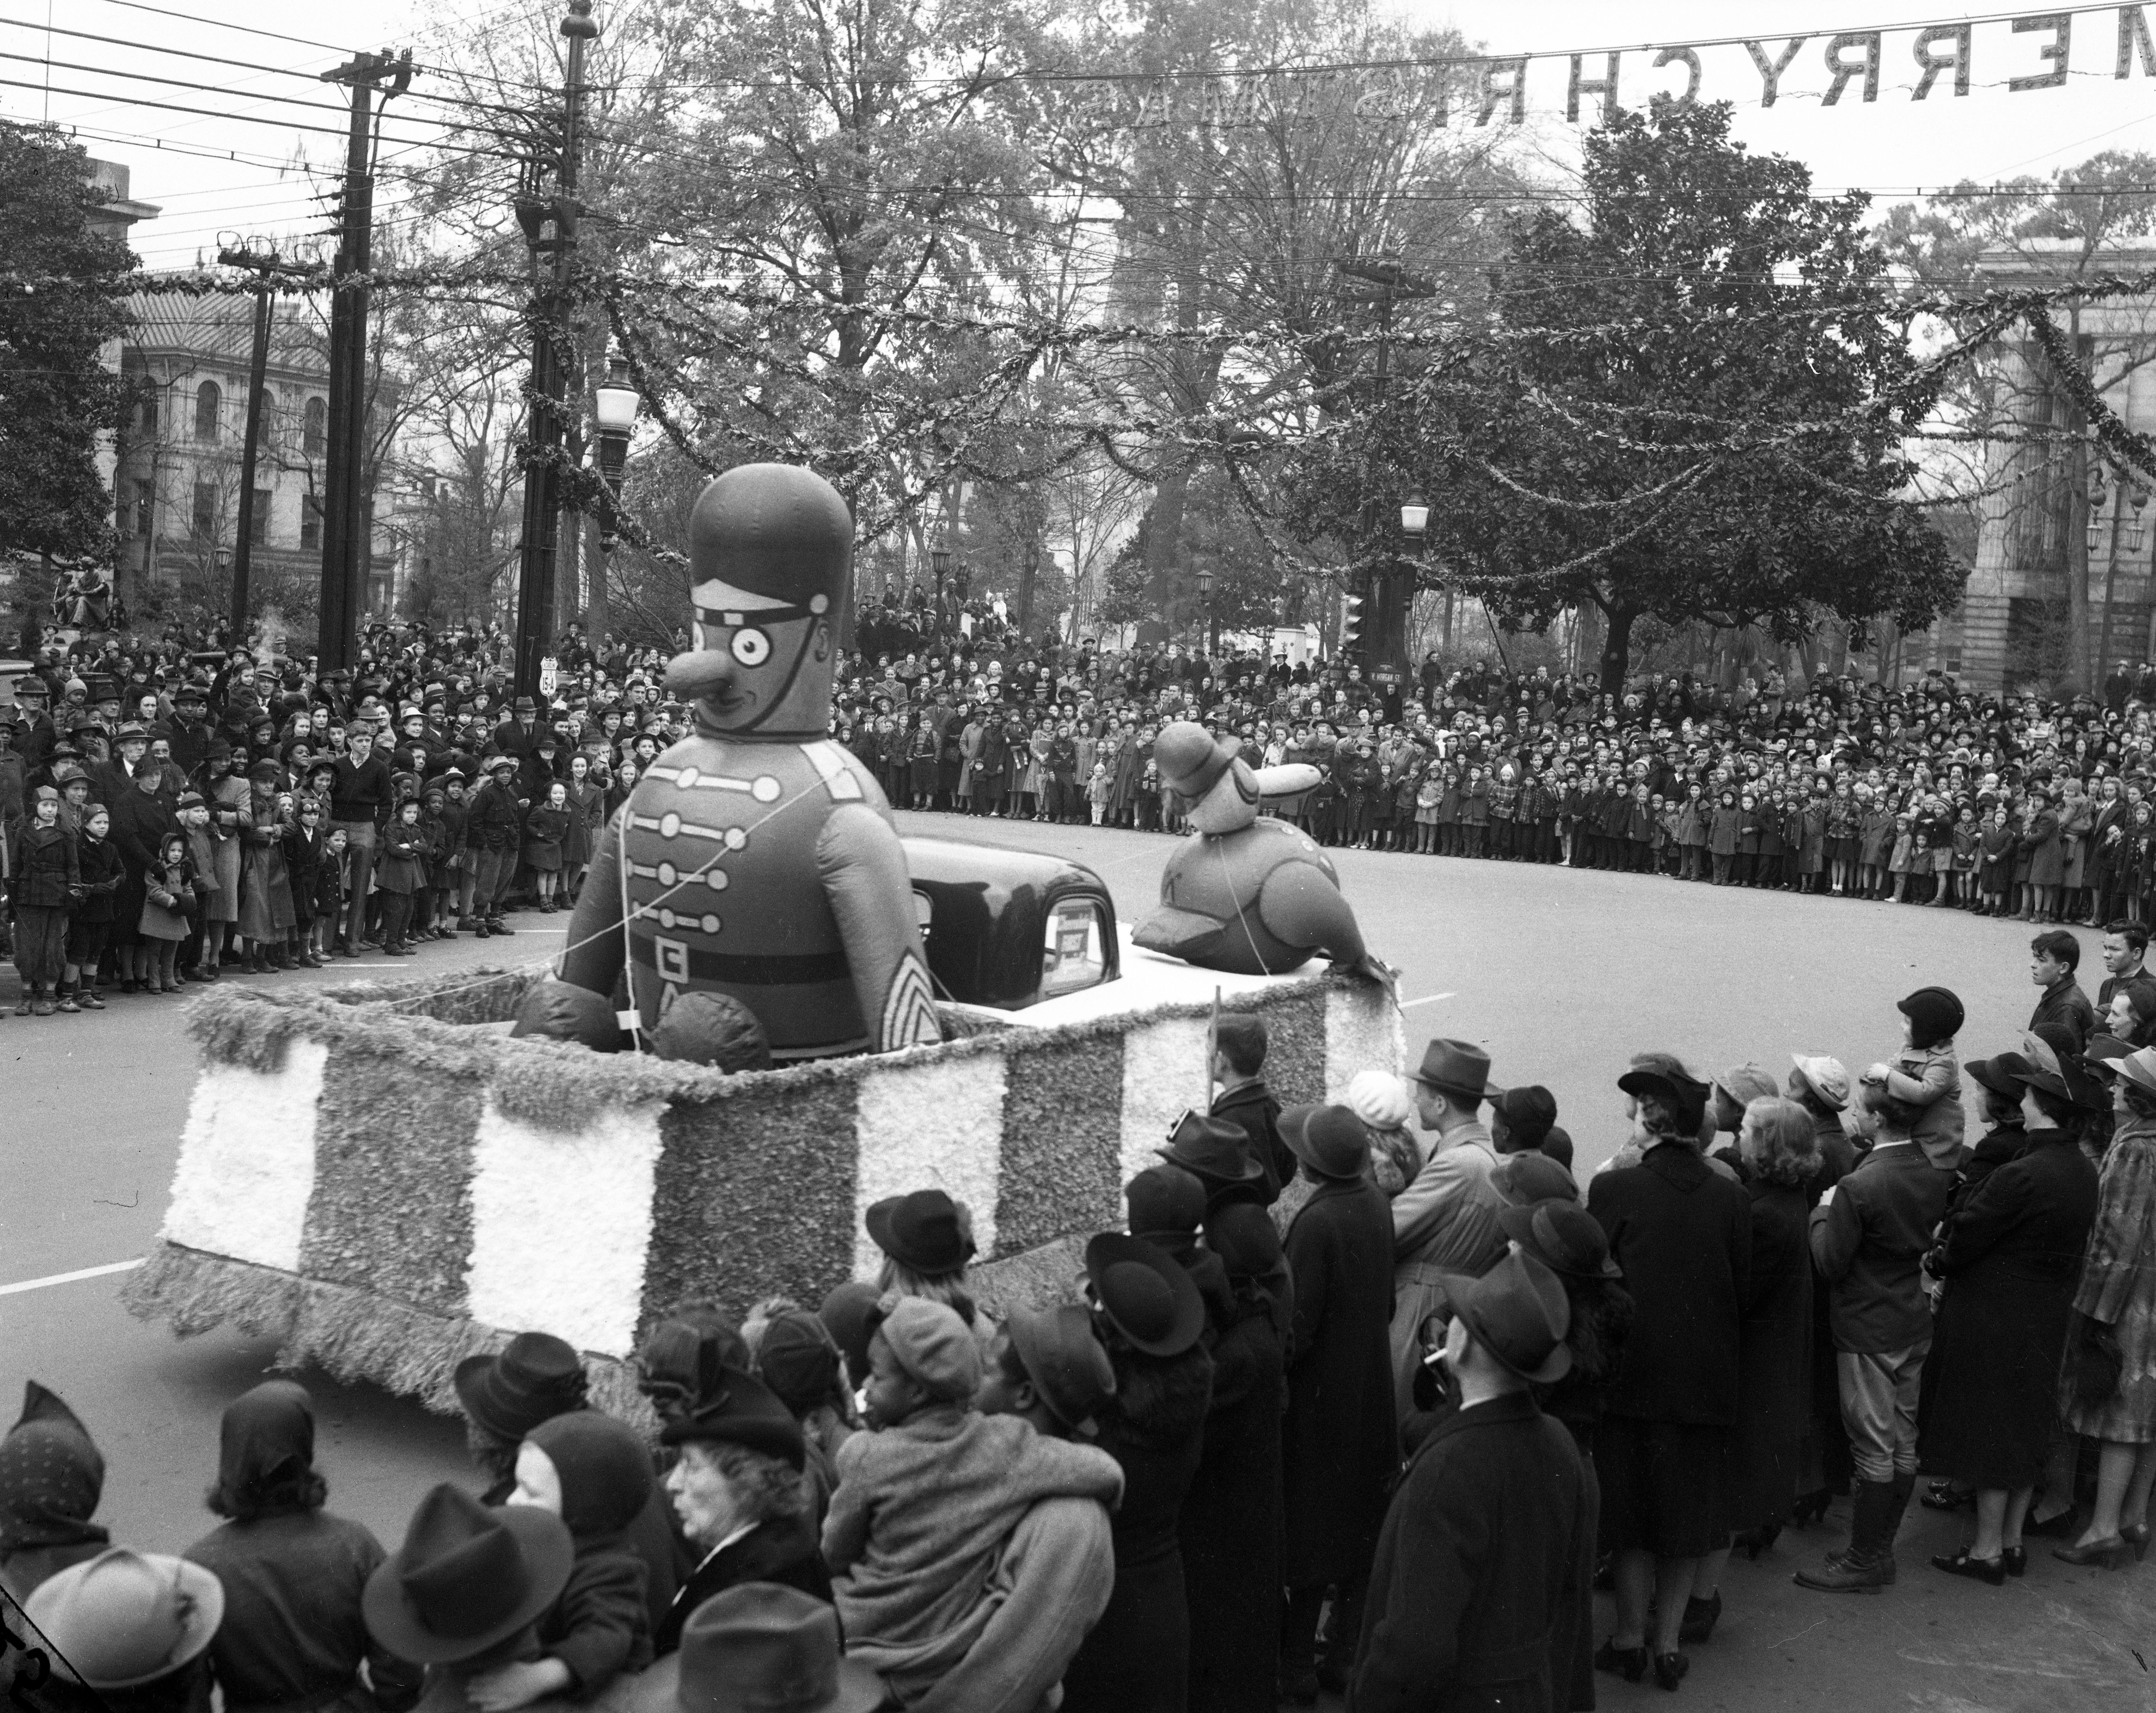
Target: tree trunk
column 1616, row 649
column 2076, row 555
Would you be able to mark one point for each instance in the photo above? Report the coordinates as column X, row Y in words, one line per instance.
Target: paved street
column 1561, row 974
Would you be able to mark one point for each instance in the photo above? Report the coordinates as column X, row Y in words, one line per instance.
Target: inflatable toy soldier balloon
column 757, row 858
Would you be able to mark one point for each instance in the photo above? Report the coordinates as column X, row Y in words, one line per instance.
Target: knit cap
column 1379, row 1099
column 1935, row 1015
column 933, row 1345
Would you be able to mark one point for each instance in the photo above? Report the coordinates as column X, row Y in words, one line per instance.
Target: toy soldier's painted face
column 766, row 665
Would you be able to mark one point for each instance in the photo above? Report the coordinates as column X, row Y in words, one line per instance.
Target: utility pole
column 550, row 231
column 265, row 265
column 345, row 546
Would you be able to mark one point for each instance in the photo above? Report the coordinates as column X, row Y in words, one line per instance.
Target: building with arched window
column 176, row 485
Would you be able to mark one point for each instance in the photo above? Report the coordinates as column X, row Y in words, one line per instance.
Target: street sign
column 550, row 674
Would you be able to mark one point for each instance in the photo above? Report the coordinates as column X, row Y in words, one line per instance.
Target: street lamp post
column 614, row 406
column 1206, row 625
column 1414, row 524
column 939, row 560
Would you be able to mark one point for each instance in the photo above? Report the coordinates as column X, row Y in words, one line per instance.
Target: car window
column 1075, row 953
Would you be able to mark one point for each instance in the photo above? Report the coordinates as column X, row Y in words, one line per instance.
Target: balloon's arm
column 1282, row 787
column 593, row 956
column 863, row 868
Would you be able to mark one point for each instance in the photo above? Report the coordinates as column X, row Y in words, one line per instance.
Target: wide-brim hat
column 1528, row 1175
column 923, row 1230
column 467, row 1577
column 1144, row 1294
column 1211, row 1150
column 1685, row 1095
column 737, row 1408
column 510, row 1392
column 1456, row 1067
column 1064, row 1359
column 2003, row 1073
column 1563, row 1235
column 1331, row 1140
column 1518, row 1311
column 757, row 1647
column 1825, row 1077
column 1191, row 759
column 124, row 1618
column 2139, row 1069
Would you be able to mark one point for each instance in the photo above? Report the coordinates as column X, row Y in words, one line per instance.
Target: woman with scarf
column 141, row 821
column 293, row 1573
column 265, row 889
column 231, row 813
column 51, row 1478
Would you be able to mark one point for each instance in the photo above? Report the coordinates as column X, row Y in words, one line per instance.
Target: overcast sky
column 1893, row 145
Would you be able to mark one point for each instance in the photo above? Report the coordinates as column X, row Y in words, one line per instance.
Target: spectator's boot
column 1866, row 1564
column 494, row 925
column 66, row 1001
column 90, row 1000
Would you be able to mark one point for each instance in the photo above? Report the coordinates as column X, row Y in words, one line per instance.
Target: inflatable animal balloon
column 757, row 857
column 1245, row 893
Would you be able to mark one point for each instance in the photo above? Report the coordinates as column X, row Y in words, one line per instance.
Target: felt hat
column 1563, row 1235
column 1934, row 1013
column 1191, row 759
column 848, row 1314
column 1144, row 1294
column 1686, row 1097
column 30, row 687
column 926, row 1230
column 1331, row 1140
column 799, row 1360
column 1164, row 1199
column 1244, row 1237
column 1212, row 1149
column 604, row 1468
column 1531, row 1175
column 1528, row 1112
column 933, row 1345
column 740, row 1409
column 1064, row 1358
column 510, row 1393
column 1517, row 1312
column 1380, row 1099
column 266, row 772
column 467, row 1576
column 525, row 705
column 1826, row 1077
column 2003, row 1073
column 124, row 1618
column 1743, row 1085
column 45, row 794
column 2139, row 1069
column 131, row 729
column 1456, row 1067
column 496, row 763
column 757, row 1647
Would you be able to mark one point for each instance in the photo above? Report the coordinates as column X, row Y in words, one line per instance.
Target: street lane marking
column 61, row 1278
column 1428, row 999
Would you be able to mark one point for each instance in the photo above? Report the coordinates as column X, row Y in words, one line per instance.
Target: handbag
column 2094, row 1361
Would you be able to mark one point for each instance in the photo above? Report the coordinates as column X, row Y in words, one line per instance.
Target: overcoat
column 1476, row 1589
column 1341, row 1443
column 1774, row 1385
column 2010, row 1256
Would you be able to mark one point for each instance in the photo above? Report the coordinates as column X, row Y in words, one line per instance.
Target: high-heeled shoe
column 1944, row 1495
column 1700, row 1617
column 1755, row 1541
column 1964, row 1564
column 1810, row 1508
column 2015, row 1559
column 2111, row 1551
column 1669, row 1670
column 2135, row 1535
column 1629, row 1664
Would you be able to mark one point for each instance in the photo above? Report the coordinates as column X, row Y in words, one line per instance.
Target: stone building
column 177, row 484
column 2062, row 536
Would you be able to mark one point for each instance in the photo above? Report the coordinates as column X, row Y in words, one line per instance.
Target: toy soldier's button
column 716, row 879
column 709, row 924
column 686, row 779
column 765, row 790
column 668, row 874
column 669, row 824
column 667, row 918
column 736, row 837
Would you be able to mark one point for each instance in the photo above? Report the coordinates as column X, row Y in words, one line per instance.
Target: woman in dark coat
column 1779, row 1156
column 1342, row 1438
column 141, row 819
column 1230, row 1524
column 2009, row 1258
column 1136, row 1659
column 1683, row 1235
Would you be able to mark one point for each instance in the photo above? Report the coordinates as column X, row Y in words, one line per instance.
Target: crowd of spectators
column 1358, row 1400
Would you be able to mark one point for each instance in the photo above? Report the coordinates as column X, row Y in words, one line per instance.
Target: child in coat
column 1724, row 829
column 331, row 880
column 401, row 873
column 545, row 827
column 90, row 927
column 193, row 813
column 168, row 900
column 1926, row 1074
column 1097, row 791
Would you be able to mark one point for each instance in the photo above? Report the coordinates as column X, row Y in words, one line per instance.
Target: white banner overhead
column 2011, row 52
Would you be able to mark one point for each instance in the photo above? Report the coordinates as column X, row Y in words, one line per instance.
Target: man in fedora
column 757, row 1645
column 1446, row 1220
column 1218, row 1153
column 1340, row 1439
column 1489, row 1544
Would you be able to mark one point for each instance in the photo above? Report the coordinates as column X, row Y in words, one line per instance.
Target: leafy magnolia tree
column 2026, row 454
column 64, row 302
column 1691, row 403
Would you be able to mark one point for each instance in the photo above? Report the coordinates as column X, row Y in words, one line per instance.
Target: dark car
column 1009, row 928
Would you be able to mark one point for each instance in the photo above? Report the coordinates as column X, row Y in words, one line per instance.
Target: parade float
column 388, row 1178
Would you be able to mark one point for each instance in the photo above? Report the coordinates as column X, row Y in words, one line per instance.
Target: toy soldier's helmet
column 771, row 558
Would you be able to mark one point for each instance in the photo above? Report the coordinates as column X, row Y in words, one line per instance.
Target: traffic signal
column 1351, row 623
